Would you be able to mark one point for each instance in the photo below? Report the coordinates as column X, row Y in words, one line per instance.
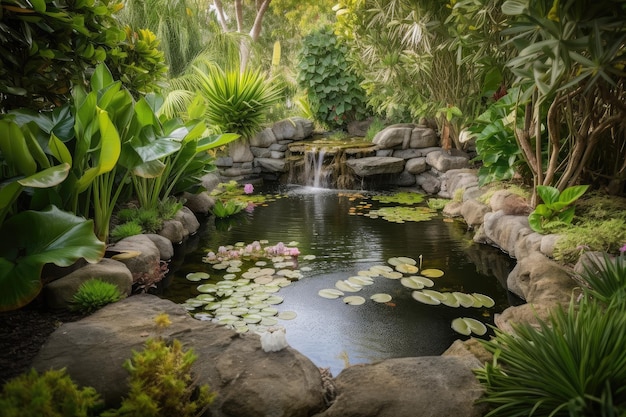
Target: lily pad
column 410, row 282
column 450, row 300
column 330, row 293
column 468, row 325
column 425, row 298
column 354, row 300
column 466, row 300
column 407, row 269
column 207, row 288
column 274, row 299
column 287, row 315
column 347, row 286
column 426, row 281
column 197, row 276
column 434, row 294
column 361, row 280
column 432, row 273
column 381, row 298
column 484, row 300
column 392, row 275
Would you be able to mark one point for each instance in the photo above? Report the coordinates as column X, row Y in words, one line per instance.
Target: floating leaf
column 432, row 273
column 466, row 300
column 347, row 286
column 392, row 275
column 434, row 294
column 459, row 325
column 425, row 298
column 252, row 318
column 379, row 269
column 287, row 315
column 412, row 283
column 381, row 298
column 407, row 269
column 274, row 299
column 361, row 280
column 308, row 257
column 269, row 321
column 197, row 276
column 426, row 281
column 207, row 288
column 476, row 326
column 330, row 293
column 450, row 300
column 354, row 300
column 484, row 300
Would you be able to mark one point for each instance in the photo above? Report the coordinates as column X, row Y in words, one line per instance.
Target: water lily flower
column 221, row 250
column 248, row 188
column 292, row 252
column 622, row 249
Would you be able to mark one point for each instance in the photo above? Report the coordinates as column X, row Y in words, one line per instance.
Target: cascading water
column 315, row 172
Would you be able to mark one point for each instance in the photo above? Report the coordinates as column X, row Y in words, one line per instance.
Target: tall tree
column 260, row 8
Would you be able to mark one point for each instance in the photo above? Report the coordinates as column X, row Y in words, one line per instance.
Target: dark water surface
column 331, row 333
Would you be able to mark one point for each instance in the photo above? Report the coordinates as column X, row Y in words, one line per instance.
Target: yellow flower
column 162, row 321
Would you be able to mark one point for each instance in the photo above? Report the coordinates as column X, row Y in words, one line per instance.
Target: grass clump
column 376, row 126
column 50, row 394
column 124, row 230
column 600, row 225
column 573, row 364
column 94, row 294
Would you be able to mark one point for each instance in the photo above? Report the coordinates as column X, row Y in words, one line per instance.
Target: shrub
column 607, row 280
column 557, row 208
column 574, row 364
column 95, row 294
column 333, row 91
column 161, row 384
column 131, row 228
column 51, row 394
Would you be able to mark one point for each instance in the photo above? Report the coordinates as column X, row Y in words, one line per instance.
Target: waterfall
column 314, row 171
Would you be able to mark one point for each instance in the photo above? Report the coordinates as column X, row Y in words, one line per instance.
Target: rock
column 538, row 279
column 248, row 381
column 224, row 161
column 279, row 147
column 173, row 230
column 359, row 127
column 474, row 212
column 59, row 293
column 504, row 231
column 277, row 155
column 589, row 261
column 211, row 180
column 163, row 244
column 423, row 137
column 264, row 139
column 145, row 267
column 260, row 152
column 509, row 203
column 442, row 161
column 374, row 165
column 271, row 165
column 384, row 152
column 188, row 219
column 525, row 314
column 416, row 165
column 528, row 244
column 429, row 182
column 430, row 386
column 296, row 128
column 405, row 179
column 547, row 244
column 471, row 347
column 393, row 136
column 239, row 150
column 452, row 209
column 457, row 179
column 406, row 153
column 238, row 171
column 199, row 203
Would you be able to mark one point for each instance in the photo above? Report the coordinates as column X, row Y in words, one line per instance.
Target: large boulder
column 59, row 293
column 503, row 231
column 295, row 128
column 374, row 165
column 444, row 161
column 398, row 135
column 239, row 151
column 430, row 386
column 423, row 137
column 271, row 164
column 538, row 279
column 264, row 139
column 143, row 258
column 248, row 381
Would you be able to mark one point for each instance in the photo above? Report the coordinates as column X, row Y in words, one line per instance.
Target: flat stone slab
column 375, row 165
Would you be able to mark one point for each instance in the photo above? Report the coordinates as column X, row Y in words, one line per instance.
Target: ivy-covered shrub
column 51, row 394
column 333, row 90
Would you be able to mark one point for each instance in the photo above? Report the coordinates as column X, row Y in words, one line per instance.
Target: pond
column 337, row 240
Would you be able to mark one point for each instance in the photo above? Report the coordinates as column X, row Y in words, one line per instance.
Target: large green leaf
column 571, row 194
column 38, row 238
column 548, row 194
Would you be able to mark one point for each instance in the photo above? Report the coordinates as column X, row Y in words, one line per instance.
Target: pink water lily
column 622, row 249
column 248, row 188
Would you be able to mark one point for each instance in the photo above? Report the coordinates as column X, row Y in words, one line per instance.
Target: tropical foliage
column 332, row 89
column 557, row 208
column 94, row 294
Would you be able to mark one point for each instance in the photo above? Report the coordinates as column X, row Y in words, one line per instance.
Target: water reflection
column 330, row 332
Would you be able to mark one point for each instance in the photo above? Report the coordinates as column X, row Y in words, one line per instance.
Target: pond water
column 330, row 225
